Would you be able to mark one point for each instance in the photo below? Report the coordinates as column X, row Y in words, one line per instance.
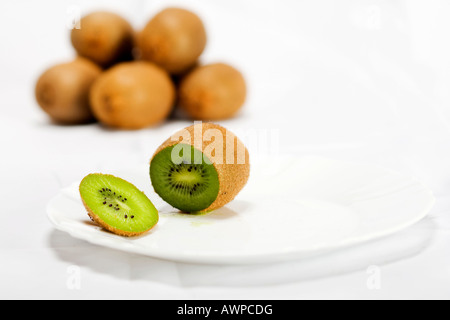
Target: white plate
column 291, row 208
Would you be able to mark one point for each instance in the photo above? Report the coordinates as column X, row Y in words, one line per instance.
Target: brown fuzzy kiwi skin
column 212, row 92
column 105, row 38
column 62, row 91
column 108, row 227
column 232, row 177
column 174, row 39
column 133, row 95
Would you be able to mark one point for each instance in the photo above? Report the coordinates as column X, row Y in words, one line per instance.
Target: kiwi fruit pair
column 173, row 39
column 131, row 95
column 190, row 175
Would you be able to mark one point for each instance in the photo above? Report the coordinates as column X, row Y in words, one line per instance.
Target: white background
column 354, row 80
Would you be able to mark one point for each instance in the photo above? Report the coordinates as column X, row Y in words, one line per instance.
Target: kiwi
column 105, row 38
column 133, row 95
column 117, row 205
column 194, row 176
column 174, row 39
column 62, row 91
column 212, row 92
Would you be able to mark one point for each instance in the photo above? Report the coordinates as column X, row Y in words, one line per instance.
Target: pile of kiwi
column 128, row 79
column 184, row 173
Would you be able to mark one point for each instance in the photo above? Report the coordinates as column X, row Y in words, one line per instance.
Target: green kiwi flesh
column 190, row 183
column 117, row 205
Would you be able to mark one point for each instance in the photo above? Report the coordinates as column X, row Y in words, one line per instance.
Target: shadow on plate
column 403, row 245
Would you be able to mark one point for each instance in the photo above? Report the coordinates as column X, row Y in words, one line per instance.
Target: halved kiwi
column 187, row 186
column 193, row 175
column 117, row 205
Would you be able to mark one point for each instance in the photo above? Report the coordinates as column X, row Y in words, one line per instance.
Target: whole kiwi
column 105, row 38
column 133, row 95
column 174, row 39
column 212, row 92
column 62, row 91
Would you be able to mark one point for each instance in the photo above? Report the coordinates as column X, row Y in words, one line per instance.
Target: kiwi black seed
column 194, row 181
column 117, row 205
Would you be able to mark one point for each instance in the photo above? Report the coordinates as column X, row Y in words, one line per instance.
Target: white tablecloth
column 353, row 80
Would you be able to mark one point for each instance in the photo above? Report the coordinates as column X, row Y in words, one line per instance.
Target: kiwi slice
column 189, row 177
column 117, row 205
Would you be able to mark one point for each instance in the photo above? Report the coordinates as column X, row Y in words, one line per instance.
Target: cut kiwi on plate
column 196, row 174
column 117, row 205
